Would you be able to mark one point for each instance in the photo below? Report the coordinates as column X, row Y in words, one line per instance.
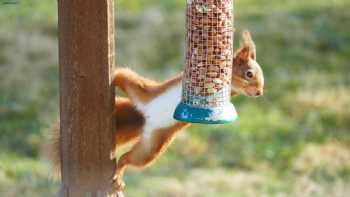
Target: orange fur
column 130, row 121
column 145, row 151
column 145, row 89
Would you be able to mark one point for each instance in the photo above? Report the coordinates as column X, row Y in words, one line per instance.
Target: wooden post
column 86, row 57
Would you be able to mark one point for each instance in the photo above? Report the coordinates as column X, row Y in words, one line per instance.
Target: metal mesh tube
column 209, row 53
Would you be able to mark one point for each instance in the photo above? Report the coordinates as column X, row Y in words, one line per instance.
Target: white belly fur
column 159, row 112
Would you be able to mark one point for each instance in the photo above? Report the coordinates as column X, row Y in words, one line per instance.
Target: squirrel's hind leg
column 145, row 151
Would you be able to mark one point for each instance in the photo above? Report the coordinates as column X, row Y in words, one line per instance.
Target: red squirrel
column 147, row 114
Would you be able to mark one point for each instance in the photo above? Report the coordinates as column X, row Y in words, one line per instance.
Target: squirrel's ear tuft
column 243, row 54
column 247, row 42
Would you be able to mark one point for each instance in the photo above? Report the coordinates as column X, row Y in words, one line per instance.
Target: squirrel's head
column 247, row 75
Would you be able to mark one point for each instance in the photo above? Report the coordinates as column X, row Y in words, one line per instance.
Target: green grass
column 25, row 177
column 294, row 141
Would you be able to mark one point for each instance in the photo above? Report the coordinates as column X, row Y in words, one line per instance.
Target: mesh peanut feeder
column 209, row 54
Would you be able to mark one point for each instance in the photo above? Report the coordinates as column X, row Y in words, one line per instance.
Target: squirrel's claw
column 112, row 155
column 118, row 183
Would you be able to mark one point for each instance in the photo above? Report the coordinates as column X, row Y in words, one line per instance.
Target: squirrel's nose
column 258, row 93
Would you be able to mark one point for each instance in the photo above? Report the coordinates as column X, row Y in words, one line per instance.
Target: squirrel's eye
column 249, row 74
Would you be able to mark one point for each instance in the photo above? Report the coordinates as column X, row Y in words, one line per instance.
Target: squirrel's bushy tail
column 130, row 124
column 55, row 149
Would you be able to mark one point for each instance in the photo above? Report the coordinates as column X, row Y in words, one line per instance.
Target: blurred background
column 295, row 141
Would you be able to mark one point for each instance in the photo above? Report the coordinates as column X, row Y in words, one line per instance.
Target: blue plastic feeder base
column 218, row 115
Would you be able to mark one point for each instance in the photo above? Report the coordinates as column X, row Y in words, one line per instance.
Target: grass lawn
column 295, row 141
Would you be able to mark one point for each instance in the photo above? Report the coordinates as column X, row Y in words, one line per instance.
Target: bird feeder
column 209, row 55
